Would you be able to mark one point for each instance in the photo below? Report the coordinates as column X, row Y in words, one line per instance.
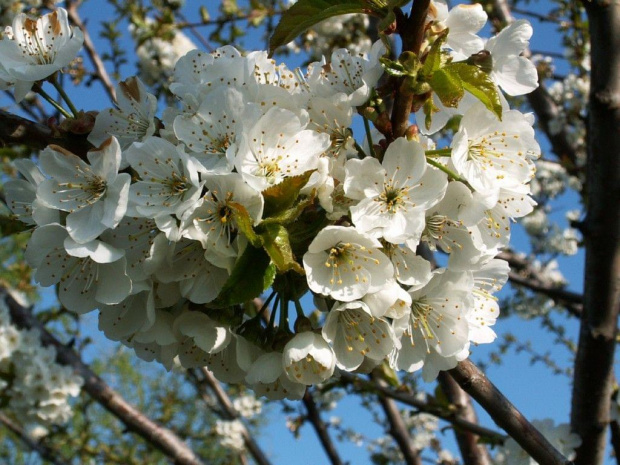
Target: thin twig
column 506, row 415
column 89, row 46
column 45, row 452
column 314, row 417
column 162, row 438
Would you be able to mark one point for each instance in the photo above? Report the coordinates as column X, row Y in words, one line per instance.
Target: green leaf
column 479, row 84
column 448, row 87
column 277, row 244
column 244, row 223
column 252, row 275
column 282, row 196
column 306, row 13
column 436, row 57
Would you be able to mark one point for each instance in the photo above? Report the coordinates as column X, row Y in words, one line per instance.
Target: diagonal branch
column 89, row 46
column 398, row 430
column 314, row 417
column 232, row 414
column 506, row 415
column 160, row 437
column 46, row 453
column 472, row 452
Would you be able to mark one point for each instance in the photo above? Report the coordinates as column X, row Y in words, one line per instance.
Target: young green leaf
column 479, row 84
column 252, row 275
column 282, row 196
column 277, row 244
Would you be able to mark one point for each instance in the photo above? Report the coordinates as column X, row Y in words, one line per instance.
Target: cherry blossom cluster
column 256, row 173
column 33, row 387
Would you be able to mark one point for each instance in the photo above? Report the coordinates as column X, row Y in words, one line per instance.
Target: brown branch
column 397, row 428
column 524, row 274
column 161, row 438
column 411, row 31
column 408, row 399
column 506, row 415
column 472, row 452
column 45, row 452
column 314, row 417
column 89, row 46
column 614, row 427
column 231, row 414
column 593, row 382
column 15, row 130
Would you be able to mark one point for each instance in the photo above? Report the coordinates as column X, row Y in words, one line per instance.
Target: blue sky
column 531, row 388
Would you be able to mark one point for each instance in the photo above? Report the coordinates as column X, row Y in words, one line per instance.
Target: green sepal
column 276, row 243
column 251, row 276
column 478, row 83
column 429, row 109
column 283, row 195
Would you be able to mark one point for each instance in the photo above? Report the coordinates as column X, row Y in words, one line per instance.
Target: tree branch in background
column 408, row 399
column 524, row 274
column 476, row 384
column 231, row 414
column 46, row 453
column 615, row 439
column 314, row 417
column 397, row 428
column 161, row 438
column 89, row 46
column 472, row 452
column 15, row 130
column 593, row 381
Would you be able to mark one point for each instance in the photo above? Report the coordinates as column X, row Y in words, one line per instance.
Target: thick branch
column 593, row 381
column 160, row 437
column 314, row 417
column 89, row 46
column 506, row 415
column 44, row 452
column 472, row 452
column 15, row 130
column 411, row 30
column 231, row 413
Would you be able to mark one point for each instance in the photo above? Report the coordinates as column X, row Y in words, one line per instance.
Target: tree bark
column 593, row 381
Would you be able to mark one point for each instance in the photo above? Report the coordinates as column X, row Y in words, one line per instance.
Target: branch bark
column 314, row 417
column 160, row 437
column 506, row 415
column 397, row 428
column 472, row 452
column 44, row 452
column 15, row 130
column 593, row 383
column 231, row 413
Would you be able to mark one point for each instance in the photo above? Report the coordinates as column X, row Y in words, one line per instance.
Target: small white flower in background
column 34, row 49
column 231, row 434
column 308, row 359
column 132, row 121
column 95, row 195
column 247, row 405
column 346, row 264
column 559, row 436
